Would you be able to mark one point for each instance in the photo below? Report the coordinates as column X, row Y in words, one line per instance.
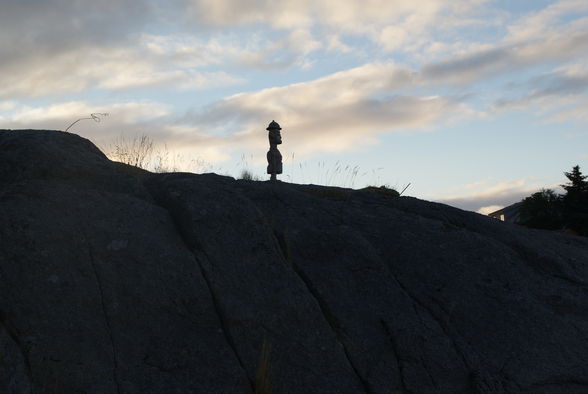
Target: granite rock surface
column 116, row 280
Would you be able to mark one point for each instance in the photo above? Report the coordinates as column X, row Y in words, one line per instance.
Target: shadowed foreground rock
column 115, row 280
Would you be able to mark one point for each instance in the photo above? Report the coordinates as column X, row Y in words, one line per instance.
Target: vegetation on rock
column 548, row 210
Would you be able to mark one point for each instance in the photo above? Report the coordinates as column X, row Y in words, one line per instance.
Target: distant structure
column 510, row 214
column 274, row 157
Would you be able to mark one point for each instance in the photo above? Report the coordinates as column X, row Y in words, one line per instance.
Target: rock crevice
column 322, row 305
column 107, row 324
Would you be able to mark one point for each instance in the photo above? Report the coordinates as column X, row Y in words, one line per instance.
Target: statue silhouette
column 274, row 157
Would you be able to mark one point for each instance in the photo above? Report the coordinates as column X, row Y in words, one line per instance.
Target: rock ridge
column 116, row 280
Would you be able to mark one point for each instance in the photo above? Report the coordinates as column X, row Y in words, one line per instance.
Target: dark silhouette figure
column 274, row 157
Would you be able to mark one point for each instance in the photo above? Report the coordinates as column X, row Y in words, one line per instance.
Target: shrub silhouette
column 575, row 201
column 542, row 210
column 548, row 210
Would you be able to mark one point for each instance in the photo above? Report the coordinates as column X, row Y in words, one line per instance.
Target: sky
column 474, row 103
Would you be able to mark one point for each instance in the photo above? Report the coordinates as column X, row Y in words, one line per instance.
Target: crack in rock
column 106, row 318
column 439, row 321
column 199, row 254
column 328, row 316
column 222, row 319
column 399, row 360
column 13, row 335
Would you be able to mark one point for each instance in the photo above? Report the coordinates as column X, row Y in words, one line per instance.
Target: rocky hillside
column 115, row 280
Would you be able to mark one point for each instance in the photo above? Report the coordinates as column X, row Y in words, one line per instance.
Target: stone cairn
column 274, row 157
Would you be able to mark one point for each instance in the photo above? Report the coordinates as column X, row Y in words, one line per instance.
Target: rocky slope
column 114, row 280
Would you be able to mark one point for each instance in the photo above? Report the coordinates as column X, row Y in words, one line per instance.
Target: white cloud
column 55, row 47
column 577, row 113
column 284, row 14
column 281, row 53
column 132, row 118
column 484, row 195
column 130, row 112
column 104, row 68
column 188, row 147
column 339, row 112
column 187, row 140
column 507, row 58
column 489, row 209
column 188, row 51
column 335, row 44
column 557, row 96
column 390, row 23
column 344, row 16
column 73, row 51
column 179, row 79
column 342, row 111
column 393, row 37
column 7, row 105
column 557, row 33
column 535, row 24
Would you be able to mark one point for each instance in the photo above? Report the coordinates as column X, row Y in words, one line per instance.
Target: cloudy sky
column 476, row 103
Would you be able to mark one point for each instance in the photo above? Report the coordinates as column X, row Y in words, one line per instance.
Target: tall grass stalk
column 323, row 174
column 263, row 383
column 137, row 151
column 141, row 151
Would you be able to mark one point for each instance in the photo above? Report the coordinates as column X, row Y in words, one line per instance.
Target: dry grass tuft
column 135, row 152
column 248, row 176
column 386, row 190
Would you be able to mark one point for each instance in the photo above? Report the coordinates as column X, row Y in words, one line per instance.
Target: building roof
column 511, row 213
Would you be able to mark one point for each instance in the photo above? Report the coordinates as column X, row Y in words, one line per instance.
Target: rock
column 15, row 373
column 259, row 296
column 118, row 280
column 91, row 315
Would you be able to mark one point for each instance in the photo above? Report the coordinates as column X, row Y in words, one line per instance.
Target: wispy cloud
column 57, row 24
column 484, row 196
column 508, row 57
column 284, row 53
column 559, row 96
column 7, row 105
column 55, row 47
column 352, row 16
column 393, row 25
column 129, row 112
column 105, row 68
column 557, row 33
column 125, row 117
column 339, row 112
column 536, row 24
column 122, row 56
column 576, row 113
